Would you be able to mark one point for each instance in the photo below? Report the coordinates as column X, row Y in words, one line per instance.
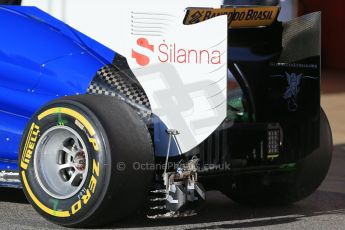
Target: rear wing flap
column 238, row 16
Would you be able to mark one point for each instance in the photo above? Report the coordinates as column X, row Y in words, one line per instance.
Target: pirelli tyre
column 286, row 188
column 80, row 158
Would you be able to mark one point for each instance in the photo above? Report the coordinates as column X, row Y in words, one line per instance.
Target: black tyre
column 287, row 188
column 76, row 161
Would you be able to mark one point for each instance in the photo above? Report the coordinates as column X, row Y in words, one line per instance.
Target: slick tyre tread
column 120, row 138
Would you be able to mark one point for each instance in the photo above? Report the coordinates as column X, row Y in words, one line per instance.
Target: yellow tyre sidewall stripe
column 39, row 204
column 71, row 113
column 90, row 130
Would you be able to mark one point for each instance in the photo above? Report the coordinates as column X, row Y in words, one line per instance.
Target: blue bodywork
column 64, row 63
column 41, row 59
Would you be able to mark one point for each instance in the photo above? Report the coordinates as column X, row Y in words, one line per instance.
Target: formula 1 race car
column 198, row 96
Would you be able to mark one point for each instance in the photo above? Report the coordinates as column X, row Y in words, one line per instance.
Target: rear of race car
column 203, row 96
column 279, row 130
column 275, row 145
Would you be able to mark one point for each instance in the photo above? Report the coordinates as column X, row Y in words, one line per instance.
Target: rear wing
column 238, row 16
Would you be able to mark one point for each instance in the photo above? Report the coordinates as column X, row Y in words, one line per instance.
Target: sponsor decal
column 293, row 89
column 237, row 17
column 29, row 146
column 87, row 193
column 173, row 53
column 183, row 70
column 296, row 65
column 142, row 59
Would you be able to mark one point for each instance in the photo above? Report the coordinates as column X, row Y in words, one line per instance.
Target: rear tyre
column 288, row 187
column 79, row 161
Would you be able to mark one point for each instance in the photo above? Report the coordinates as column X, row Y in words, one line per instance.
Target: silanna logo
column 173, row 53
column 142, row 59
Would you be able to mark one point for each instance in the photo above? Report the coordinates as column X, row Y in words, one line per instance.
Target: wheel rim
column 61, row 162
